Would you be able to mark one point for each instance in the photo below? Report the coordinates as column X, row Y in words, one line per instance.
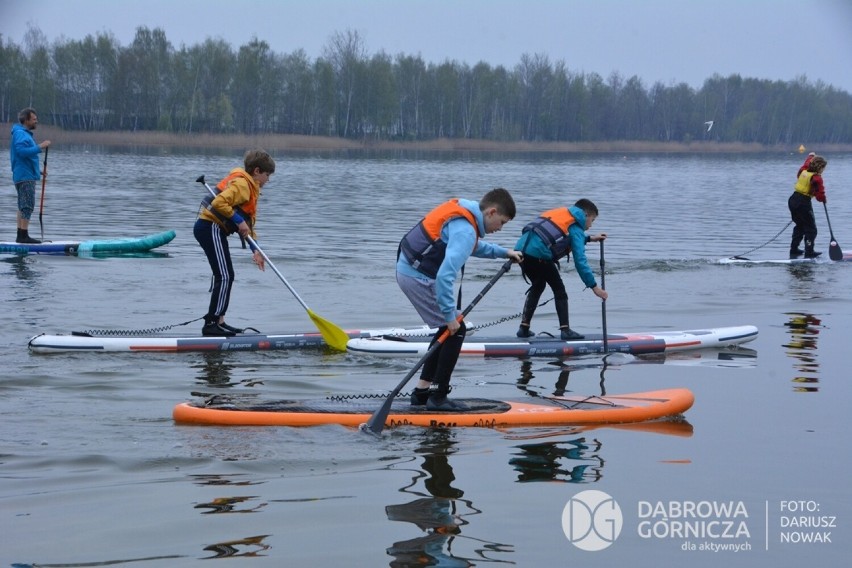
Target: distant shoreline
column 296, row 143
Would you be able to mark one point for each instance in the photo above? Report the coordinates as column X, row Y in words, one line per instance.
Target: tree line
column 95, row 84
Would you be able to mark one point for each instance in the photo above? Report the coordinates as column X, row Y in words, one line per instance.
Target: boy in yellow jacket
column 233, row 210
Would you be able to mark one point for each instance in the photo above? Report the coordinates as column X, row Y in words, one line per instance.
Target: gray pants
column 438, row 368
column 421, row 293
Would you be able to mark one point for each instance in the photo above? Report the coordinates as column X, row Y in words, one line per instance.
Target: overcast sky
column 670, row 41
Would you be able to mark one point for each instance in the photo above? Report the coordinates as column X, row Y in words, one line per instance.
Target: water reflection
column 25, row 269
column 565, row 370
column 804, row 329
column 219, row 479
column 27, row 287
column 802, row 285
column 577, row 459
column 247, row 547
column 253, row 545
column 439, row 512
column 571, row 461
column 230, row 505
column 738, row 357
column 215, row 369
column 226, row 504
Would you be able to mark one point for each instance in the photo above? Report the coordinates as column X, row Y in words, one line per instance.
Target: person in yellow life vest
column 543, row 242
column 805, row 164
column 233, row 210
column 809, row 185
column 429, row 259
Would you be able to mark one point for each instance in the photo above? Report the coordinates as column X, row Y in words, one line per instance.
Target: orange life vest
column 422, row 245
column 552, row 228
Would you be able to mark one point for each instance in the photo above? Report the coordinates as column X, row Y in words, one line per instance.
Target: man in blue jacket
column 23, row 153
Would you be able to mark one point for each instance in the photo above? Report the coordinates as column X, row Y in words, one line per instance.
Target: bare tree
column 347, row 54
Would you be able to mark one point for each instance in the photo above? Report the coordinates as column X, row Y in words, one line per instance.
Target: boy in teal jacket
column 553, row 235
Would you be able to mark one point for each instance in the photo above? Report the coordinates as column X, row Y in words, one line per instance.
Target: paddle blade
column 335, row 337
column 376, row 422
column 834, row 251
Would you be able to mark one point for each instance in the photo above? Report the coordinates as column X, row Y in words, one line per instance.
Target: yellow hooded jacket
column 238, row 193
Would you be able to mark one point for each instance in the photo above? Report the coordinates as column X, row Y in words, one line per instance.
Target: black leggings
column 438, row 368
column 543, row 273
column 802, row 213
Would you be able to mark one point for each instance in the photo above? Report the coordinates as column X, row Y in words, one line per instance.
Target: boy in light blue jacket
column 429, row 259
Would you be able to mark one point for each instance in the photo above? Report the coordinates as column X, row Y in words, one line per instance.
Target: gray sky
column 670, row 41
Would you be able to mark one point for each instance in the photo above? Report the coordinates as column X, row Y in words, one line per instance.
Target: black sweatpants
column 214, row 240
column 802, row 213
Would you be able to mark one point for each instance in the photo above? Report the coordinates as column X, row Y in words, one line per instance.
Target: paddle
column 834, row 250
column 603, row 302
column 43, row 182
column 333, row 335
column 377, row 421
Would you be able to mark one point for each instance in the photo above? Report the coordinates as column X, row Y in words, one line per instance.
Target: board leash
column 140, row 332
column 131, row 332
column 369, row 396
column 507, row 318
column 559, row 401
column 742, row 256
column 472, row 328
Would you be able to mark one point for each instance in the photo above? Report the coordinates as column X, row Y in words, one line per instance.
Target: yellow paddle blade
column 334, row 336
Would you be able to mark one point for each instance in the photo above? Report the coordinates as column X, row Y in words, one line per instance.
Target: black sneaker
column 525, row 331
column 569, row 334
column 213, row 329
column 812, row 254
column 441, row 403
column 419, row 397
column 231, row 328
column 27, row 240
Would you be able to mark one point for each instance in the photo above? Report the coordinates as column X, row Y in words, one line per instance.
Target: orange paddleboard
column 483, row 413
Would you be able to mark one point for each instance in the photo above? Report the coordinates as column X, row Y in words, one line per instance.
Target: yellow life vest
column 803, row 184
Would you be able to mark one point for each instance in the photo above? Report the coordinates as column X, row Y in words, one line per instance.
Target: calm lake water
column 93, row 471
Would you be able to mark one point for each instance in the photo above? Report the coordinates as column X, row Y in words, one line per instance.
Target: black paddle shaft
column 603, row 302
column 377, row 421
